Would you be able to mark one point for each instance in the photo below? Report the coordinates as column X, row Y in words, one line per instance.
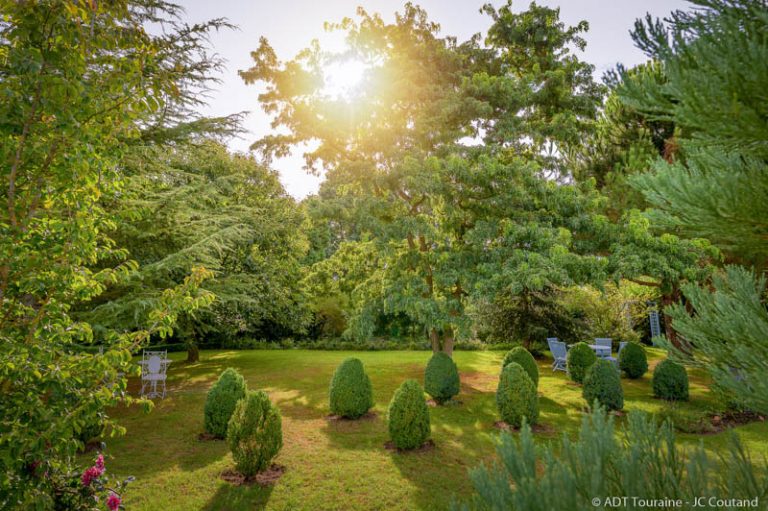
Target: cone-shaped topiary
column 523, row 357
column 408, row 416
column 351, row 394
column 255, row 433
column 670, row 381
column 602, row 383
column 516, row 396
column 441, row 378
column 578, row 360
column 221, row 401
column 633, row 360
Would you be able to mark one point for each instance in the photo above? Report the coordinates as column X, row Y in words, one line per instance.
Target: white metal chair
column 559, row 353
column 154, row 365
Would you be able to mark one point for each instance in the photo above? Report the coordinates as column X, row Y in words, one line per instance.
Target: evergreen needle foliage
column 633, row 361
column 408, row 416
column 523, row 357
column 579, row 359
column 351, row 394
column 441, row 378
column 602, row 384
column 221, row 401
column 255, row 433
column 516, row 397
column 670, row 381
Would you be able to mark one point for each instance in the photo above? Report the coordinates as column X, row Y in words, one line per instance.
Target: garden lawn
column 341, row 465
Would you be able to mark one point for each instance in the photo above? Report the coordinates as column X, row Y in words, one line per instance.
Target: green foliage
column 644, row 461
column 408, row 416
column 523, row 357
column 398, row 171
column 199, row 205
column 516, row 396
column 351, row 394
column 580, row 357
column 255, row 433
column 633, row 360
column 603, row 384
column 221, row 401
column 79, row 82
column 670, row 381
column 529, row 316
column 441, row 378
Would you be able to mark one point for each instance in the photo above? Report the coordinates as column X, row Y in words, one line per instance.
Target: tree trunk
column 448, row 342
column 434, row 339
column 669, row 331
column 193, row 353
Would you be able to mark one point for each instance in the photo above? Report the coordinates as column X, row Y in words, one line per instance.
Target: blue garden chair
column 606, row 344
column 559, row 353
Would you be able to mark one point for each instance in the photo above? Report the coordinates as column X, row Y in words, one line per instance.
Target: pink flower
column 100, row 461
column 90, row 474
column 113, row 502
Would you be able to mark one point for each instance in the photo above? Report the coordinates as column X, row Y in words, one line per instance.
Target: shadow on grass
column 233, row 498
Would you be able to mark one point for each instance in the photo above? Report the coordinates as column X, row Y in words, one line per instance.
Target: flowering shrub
column 85, row 490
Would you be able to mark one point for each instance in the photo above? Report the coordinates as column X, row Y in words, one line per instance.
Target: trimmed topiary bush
column 580, row 357
column 221, row 401
column 523, row 357
column 255, row 433
column 441, row 378
column 633, row 360
column 351, row 394
column 516, row 396
column 602, row 383
column 408, row 416
column 670, row 381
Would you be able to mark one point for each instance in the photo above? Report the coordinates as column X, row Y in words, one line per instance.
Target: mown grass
column 343, row 465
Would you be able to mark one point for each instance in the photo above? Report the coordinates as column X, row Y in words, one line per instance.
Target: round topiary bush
column 408, row 416
column 221, row 401
column 351, row 394
column 602, row 383
column 255, row 433
column 580, row 357
column 633, row 360
column 441, row 378
column 523, row 357
column 516, row 396
column 670, row 381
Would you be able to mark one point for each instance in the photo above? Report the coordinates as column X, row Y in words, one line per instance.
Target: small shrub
column 441, row 378
column 633, row 361
column 580, row 357
column 255, row 433
column 221, row 402
column 516, row 396
column 523, row 357
column 351, row 394
column 670, row 381
column 602, row 383
column 408, row 416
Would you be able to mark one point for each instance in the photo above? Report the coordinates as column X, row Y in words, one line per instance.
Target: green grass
column 343, row 465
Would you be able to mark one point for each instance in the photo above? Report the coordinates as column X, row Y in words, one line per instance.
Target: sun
column 342, row 78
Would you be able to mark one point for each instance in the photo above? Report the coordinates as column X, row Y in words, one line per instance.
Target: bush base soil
column 536, row 428
column 338, row 418
column 267, row 477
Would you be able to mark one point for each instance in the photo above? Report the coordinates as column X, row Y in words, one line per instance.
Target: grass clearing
column 341, row 465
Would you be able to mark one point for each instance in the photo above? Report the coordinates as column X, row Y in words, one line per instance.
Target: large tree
column 714, row 62
column 195, row 204
column 79, row 82
column 442, row 153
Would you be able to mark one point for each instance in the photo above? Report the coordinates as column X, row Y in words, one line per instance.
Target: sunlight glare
column 341, row 78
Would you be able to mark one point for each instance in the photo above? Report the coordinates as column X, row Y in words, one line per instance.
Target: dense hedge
column 351, row 394
column 408, row 416
column 602, row 383
column 580, row 357
column 670, row 381
column 441, row 378
column 516, row 396
column 221, row 401
column 255, row 433
column 633, row 360
column 523, row 357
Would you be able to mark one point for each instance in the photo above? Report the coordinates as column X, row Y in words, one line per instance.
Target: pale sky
column 290, row 25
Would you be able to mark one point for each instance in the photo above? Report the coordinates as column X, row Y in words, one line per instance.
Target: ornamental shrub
column 578, row 360
column 255, row 433
column 351, row 394
column 221, row 401
column 523, row 357
column 633, row 360
column 670, row 381
column 408, row 416
column 516, row 396
column 441, row 378
column 602, row 383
